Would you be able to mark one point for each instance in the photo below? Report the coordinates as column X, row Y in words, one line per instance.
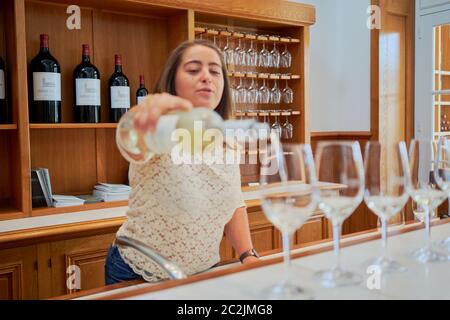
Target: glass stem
column 384, row 236
column 336, row 241
column 287, row 256
column 427, row 226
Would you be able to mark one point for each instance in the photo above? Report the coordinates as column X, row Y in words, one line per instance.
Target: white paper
column 120, row 97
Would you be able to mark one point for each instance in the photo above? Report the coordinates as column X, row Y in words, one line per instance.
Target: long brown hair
column 166, row 82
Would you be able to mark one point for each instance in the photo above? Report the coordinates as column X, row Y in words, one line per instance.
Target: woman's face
column 199, row 77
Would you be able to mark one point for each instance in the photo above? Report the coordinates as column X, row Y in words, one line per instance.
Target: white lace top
column 180, row 211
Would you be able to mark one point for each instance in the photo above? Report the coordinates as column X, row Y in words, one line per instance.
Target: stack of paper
column 112, row 192
column 66, row 201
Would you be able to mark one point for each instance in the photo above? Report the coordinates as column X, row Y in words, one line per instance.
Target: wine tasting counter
column 247, row 282
column 36, row 253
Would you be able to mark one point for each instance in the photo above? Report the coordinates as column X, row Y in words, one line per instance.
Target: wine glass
column 228, row 53
column 237, row 51
column 339, row 163
column 252, row 93
column 275, row 94
column 276, row 126
column 275, row 57
column 252, row 56
column 441, row 176
column 286, row 58
column 289, row 197
column 386, row 191
column 288, row 94
column 264, row 93
column 426, row 195
column 241, row 92
column 264, row 57
column 288, row 129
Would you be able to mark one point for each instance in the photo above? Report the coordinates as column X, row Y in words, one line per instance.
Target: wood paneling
column 87, row 253
column 18, row 273
column 143, row 53
column 72, row 165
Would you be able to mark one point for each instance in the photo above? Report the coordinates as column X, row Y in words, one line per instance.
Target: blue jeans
column 116, row 269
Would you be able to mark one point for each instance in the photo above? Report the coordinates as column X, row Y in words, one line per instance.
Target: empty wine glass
column 289, row 197
column 241, row 92
column 339, row 163
column 275, row 57
column 242, row 54
column 288, row 129
column 286, row 58
column 252, row 56
column 288, row 94
column 441, row 176
column 264, row 93
column 275, row 94
column 264, row 57
column 386, row 191
column 426, row 195
column 228, row 53
column 276, row 126
column 237, row 52
column 252, row 93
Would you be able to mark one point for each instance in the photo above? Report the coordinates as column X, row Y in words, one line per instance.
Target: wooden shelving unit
column 79, row 156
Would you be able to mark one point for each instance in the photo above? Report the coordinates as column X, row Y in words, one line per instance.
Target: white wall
column 340, row 66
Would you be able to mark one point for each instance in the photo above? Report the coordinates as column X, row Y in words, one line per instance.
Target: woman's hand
column 156, row 105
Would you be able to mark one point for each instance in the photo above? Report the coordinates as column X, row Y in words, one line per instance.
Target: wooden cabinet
column 19, row 273
column 79, row 156
column 72, row 265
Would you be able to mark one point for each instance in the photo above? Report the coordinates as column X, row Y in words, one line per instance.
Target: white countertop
column 430, row 281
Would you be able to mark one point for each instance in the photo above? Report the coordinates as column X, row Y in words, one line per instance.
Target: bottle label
column 87, row 92
column 139, row 99
column 2, row 84
column 160, row 142
column 120, row 97
column 47, row 86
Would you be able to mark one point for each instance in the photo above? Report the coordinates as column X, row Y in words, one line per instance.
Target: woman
column 182, row 211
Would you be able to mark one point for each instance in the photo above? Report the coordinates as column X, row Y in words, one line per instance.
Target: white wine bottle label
column 2, row 84
column 87, row 92
column 120, row 97
column 47, row 86
column 139, row 99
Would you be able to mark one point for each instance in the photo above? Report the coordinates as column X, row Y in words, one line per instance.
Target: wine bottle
column 138, row 147
column 142, row 91
column 4, row 111
column 87, row 90
column 45, row 88
column 119, row 92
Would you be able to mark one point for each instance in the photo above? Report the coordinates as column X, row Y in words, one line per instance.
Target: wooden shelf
column 85, row 207
column 241, row 35
column 267, row 113
column 8, row 126
column 73, row 125
column 271, row 76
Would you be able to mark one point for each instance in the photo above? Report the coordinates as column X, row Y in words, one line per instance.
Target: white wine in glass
column 386, row 191
column 339, row 163
column 289, row 197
